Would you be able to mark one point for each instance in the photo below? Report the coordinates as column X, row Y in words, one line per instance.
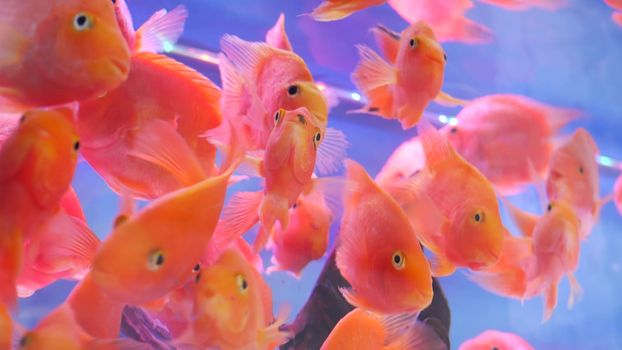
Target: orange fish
column 573, row 178
column 508, row 138
column 144, row 138
column 306, row 236
column 616, row 17
column 332, row 10
column 525, row 273
column 403, row 87
column 462, row 224
column 37, row 163
column 6, row 329
column 404, row 162
column 287, row 166
column 152, row 252
column 520, row 5
column 258, row 80
column 492, row 339
column 378, row 252
column 363, row 330
column 233, row 307
column 89, row 56
column 277, row 37
column 614, row 4
column 159, row 33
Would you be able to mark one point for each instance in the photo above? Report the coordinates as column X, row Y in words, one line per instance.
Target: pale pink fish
column 509, row 138
column 573, row 178
column 521, row 5
column 492, row 339
column 405, row 161
column 617, row 193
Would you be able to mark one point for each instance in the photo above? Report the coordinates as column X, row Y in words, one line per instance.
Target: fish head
column 81, row 46
column 43, row 152
column 475, row 236
column 306, row 94
column 58, row 330
column 418, row 44
column 225, row 293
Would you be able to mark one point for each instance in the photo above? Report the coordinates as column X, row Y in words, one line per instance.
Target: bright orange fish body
column 67, row 51
column 378, row 252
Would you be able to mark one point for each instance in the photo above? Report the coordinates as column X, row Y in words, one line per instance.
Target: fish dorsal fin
column 277, row 37
column 526, row 222
column 126, row 24
column 332, row 152
column 158, row 142
column 161, row 31
column 388, row 41
column 246, row 55
column 436, row 147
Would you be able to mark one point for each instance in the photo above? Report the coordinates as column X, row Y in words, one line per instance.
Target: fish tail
column 338, row 9
column 558, row 117
column 271, row 210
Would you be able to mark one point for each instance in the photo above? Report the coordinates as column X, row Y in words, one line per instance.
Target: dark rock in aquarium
column 326, row 306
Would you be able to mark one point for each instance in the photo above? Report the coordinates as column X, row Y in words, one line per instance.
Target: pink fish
column 306, row 236
column 144, row 138
column 404, row 162
column 617, row 193
column 508, row 138
column 521, row 5
column 277, row 37
column 492, row 339
column 573, row 178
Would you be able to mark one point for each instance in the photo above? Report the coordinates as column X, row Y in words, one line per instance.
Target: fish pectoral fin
column 575, row 289
column 332, row 152
column 445, row 99
column 441, row 267
column 351, row 297
column 159, row 143
column 271, row 336
column 162, row 30
column 526, row 222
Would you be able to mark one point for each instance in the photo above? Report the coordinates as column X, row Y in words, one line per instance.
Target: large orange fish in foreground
column 88, row 58
column 259, row 79
column 452, row 207
column 403, row 87
column 233, row 307
column 6, row 328
column 524, row 272
column 306, row 237
column 364, row 330
column 152, row 252
column 378, row 252
column 145, row 138
column 509, row 138
column 492, row 339
column 287, row 166
column 573, row 178
column 37, row 162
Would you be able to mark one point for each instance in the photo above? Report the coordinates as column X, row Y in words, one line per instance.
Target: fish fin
column 272, row 209
column 13, row 152
column 246, row 55
column 550, row 5
column 272, row 336
column 372, row 71
column 11, row 259
column 277, row 37
column 410, row 115
column 240, row 214
column 558, row 117
column 158, row 142
column 332, row 10
column 388, row 41
column 407, row 332
column 575, row 289
column 445, row 99
column 261, row 239
column 70, row 203
column 380, row 103
column 14, row 42
column 161, row 31
column 117, row 344
column 441, row 266
column 550, row 301
column 525, row 221
column 332, row 152
column 435, row 146
column 233, row 87
column 470, row 32
column 352, row 297
column 69, row 245
column 328, row 192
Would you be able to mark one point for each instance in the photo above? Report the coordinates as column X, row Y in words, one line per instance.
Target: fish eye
column 196, row 268
column 114, row 1
column 278, row 115
column 413, row 43
column 453, row 130
column 82, row 22
column 76, row 145
column 155, row 260
column 317, row 137
column 398, row 260
column 295, row 205
column 445, row 56
column 580, row 170
column 23, row 341
column 549, row 207
column 242, row 284
column 479, row 216
column 293, row 90
column 22, row 118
